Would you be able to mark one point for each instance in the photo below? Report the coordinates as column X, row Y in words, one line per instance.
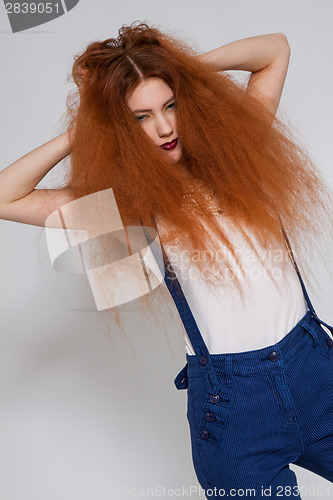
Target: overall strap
column 184, row 310
column 310, row 306
column 291, row 255
column 179, row 299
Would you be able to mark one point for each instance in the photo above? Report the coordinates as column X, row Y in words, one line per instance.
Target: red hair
column 257, row 170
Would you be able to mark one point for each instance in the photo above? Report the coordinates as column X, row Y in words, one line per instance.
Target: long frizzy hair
column 232, row 146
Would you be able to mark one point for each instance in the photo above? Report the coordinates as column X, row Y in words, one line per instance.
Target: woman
column 187, row 150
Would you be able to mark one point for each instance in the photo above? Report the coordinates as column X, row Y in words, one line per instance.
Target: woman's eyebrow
column 147, row 110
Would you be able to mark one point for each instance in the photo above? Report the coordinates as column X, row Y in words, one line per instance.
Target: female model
column 206, row 162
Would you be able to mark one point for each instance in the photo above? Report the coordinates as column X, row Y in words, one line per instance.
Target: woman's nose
column 163, row 126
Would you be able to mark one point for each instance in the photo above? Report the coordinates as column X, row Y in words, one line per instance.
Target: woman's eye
column 142, row 117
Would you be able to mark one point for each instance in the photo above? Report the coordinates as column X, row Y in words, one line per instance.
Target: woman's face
column 152, row 103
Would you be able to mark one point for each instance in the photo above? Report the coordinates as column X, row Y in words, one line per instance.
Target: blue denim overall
column 253, row 413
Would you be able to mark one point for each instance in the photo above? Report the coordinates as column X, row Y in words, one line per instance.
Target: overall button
column 204, row 434
column 329, row 342
column 203, row 360
column 210, row 417
column 214, row 398
column 274, row 356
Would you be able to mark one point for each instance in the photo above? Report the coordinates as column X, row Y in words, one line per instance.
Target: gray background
column 82, row 417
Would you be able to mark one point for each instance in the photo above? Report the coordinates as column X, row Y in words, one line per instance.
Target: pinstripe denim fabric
column 253, row 413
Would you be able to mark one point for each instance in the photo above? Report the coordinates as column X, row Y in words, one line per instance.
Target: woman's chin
column 174, row 157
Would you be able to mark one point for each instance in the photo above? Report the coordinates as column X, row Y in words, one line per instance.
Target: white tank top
column 269, row 310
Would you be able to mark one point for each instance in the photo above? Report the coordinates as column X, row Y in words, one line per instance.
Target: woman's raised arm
column 265, row 56
column 19, row 200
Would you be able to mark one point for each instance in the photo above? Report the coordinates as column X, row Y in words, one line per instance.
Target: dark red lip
column 170, row 145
